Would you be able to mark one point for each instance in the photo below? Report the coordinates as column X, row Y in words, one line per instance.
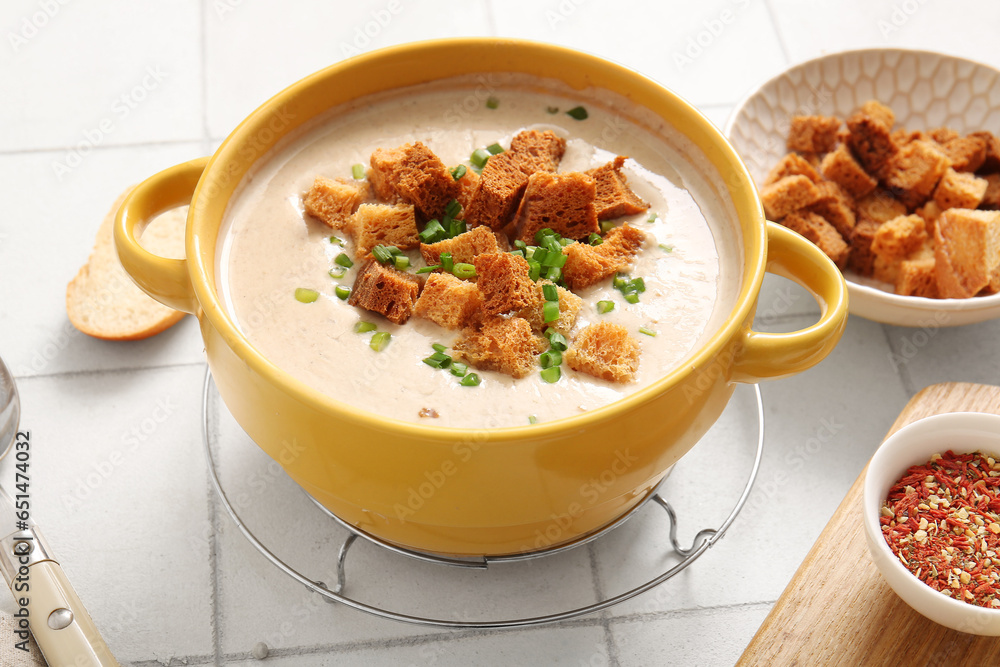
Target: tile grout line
column 107, row 371
column 211, row 433
column 605, row 618
column 900, row 368
column 103, row 147
column 777, row 31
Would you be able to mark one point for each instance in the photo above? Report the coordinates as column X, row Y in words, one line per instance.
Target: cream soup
column 271, row 248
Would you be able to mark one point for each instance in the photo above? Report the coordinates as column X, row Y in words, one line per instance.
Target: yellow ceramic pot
column 466, row 491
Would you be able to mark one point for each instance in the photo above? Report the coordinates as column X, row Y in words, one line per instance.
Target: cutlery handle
column 60, row 623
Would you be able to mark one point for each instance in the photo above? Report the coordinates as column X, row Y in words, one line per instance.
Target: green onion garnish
column 607, row 226
column 438, row 360
column 358, row 171
column 647, row 331
column 456, row 227
column 532, row 419
column 632, row 298
column 492, row 102
column 342, row 292
column 458, row 172
column 459, row 369
column 540, row 255
column 619, row 281
column 605, row 306
column 495, row 149
column 382, row 254
column 470, row 380
column 556, row 339
column 554, row 274
column 595, row 239
column 552, row 109
column 479, row 157
column 438, row 347
column 428, row 269
column 550, row 311
column 519, row 253
column 542, row 233
column 343, row 260
column 534, row 270
column 447, row 263
column 577, row 113
column 306, row 295
column 401, row 262
column 338, row 272
column 433, row 232
column 452, row 209
column 550, row 358
column 638, row 284
column 464, row 271
column 520, row 245
column 337, row 240
column 364, row 327
column 666, row 248
column 551, row 374
column 652, row 217
column 556, row 259
column 550, row 292
column 380, row 340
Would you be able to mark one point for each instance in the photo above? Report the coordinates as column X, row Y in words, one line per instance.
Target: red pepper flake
column 942, row 520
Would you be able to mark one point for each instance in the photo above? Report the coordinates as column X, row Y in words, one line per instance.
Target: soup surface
column 271, row 248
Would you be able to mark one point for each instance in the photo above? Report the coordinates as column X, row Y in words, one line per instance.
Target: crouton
column 840, row 167
column 334, row 201
column 879, row 206
column 991, row 155
column 373, row 224
column 506, row 345
column 959, row 190
column 917, row 277
column 562, row 202
column 870, row 139
column 587, row 264
column 899, row 237
column 902, row 136
column 606, row 351
column 499, row 192
column 414, row 174
column 569, row 308
column 813, row 134
column 929, row 212
column 836, row 206
column 449, row 301
column 914, row 171
column 789, row 194
column 504, row 282
column 967, row 251
column 965, row 153
column 861, row 259
column 879, row 112
column 384, row 290
column 613, row 197
column 991, row 199
column 534, row 150
column 821, row 233
column 467, row 187
column 463, row 248
column 943, row 135
column 792, row 164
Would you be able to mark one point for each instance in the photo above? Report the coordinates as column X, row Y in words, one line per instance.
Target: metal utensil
column 62, row 628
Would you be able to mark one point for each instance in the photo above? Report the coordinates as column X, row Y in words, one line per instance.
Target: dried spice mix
column 942, row 520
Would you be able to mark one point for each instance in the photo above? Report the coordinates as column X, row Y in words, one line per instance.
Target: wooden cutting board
column 837, row 609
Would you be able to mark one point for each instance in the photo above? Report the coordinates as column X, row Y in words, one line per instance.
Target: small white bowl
column 925, row 90
column 961, row 432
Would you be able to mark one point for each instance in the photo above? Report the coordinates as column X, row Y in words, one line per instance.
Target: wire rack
column 703, row 540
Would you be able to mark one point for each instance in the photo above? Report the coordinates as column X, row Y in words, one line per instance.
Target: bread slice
column 958, row 189
column 103, row 302
column 604, row 350
column 504, row 281
column 841, row 167
column 822, row 234
column 914, row 171
column 792, row 164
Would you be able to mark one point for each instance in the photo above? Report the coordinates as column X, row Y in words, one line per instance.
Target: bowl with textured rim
column 924, row 90
column 914, row 444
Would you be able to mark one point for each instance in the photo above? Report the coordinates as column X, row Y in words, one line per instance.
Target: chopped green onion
column 554, row 274
column 550, row 358
column 556, row 340
column 532, row 419
column 495, row 149
column 551, row 374
column 382, row 254
column 542, row 233
column 652, row 217
column 595, row 239
column 364, row 327
column 358, row 171
column 342, row 292
column 338, row 272
column 666, row 248
column 380, row 340
column 337, row 240
column 632, row 298
column 565, row 242
column 401, row 262
column 647, row 331
column 479, row 157
column 456, row 227
column 519, row 253
column 438, row 347
column 577, row 113
column 605, row 306
column 438, row 360
column 520, row 245
column 638, row 284
column 464, row 271
column 428, row 269
column 552, row 110
column 556, row 259
column 492, row 102
column 534, row 270
column 452, row 209
column 470, row 380
column 540, row 255
column 433, row 232
column 306, row 295
column 550, row 292
column 550, row 311
column 343, row 260
column 620, row 281
column 458, row 172
column 459, row 369
column 607, row 226
column 447, row 263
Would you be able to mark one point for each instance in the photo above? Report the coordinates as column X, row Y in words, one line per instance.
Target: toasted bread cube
column 967, row 250
column 414, row 174
column 463, row 248
column 836, row 206
column 587, row 264
column 334, row 201
column 569, row 308
column 879, row 112
column 929, row 212
column 503, row 344
column 500, row 189
column 914, row 172
column 917, row 277
column 991, row 199
column 562, row 202
column 959, row 190
column 840, row 167
column 879, row 206
column 787, row 195
column 606, row 351
column 449, row 301
column 902, row 136
column 386, row 291
column 991, row 156
column 792, row 164
column 943, row 135
column 467, row 187
column 536, row 150
column 813, row 134
column 375, row 224
column 861, row 259
column 614, row 198
column 966, row 153
column 899, row 237
column 504, row 281
column 870, row 139
column 816, row 229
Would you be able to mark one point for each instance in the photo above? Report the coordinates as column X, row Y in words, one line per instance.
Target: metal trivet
column 703, row 540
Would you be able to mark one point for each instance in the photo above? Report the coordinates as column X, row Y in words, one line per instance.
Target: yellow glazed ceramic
column 465, row 491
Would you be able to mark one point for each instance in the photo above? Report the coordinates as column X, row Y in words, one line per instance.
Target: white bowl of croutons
column 889, row 161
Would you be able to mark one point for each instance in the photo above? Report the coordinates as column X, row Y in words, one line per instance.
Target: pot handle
column 765, row 356
column 166, row 280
